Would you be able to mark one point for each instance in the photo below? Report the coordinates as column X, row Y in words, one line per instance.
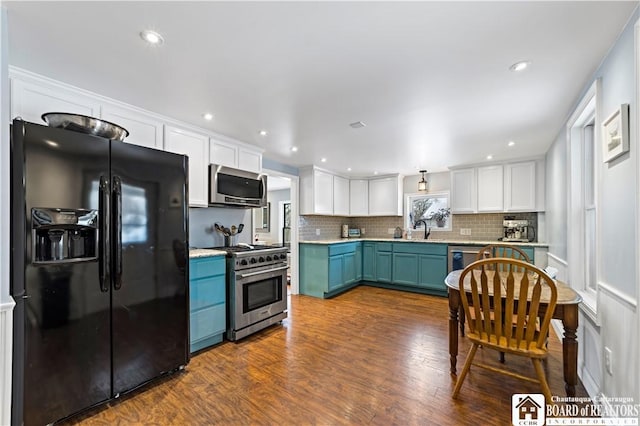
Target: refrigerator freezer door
column 65, row 317
column 150, row 300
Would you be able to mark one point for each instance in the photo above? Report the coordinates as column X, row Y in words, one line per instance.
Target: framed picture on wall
column 615, row 134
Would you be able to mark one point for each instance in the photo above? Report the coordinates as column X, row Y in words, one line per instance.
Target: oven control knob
column 243, row 262
column 269, row 259
column 261, row 259
column 253, row 260
column 283, row 256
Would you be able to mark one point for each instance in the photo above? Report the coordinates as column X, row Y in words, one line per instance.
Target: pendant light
column 422, row 185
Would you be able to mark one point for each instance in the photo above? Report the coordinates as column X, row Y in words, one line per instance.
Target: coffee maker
column 517, row 230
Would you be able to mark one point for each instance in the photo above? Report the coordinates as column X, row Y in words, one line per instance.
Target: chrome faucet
column 427, row 230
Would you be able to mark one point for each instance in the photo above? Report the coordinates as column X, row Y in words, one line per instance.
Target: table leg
column 454, row 306
column 570, row 348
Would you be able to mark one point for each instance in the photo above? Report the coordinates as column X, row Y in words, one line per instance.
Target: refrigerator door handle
column 104, row 215
column 117, row 228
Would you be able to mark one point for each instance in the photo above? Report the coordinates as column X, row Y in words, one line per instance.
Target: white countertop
column 429, row 241
column 195, row 253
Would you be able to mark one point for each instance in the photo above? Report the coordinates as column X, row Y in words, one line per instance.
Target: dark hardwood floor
column 369, row 356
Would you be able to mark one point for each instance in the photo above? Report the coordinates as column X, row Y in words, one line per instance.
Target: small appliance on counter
column 517, row 230
column 345, row 231
column 354, row 232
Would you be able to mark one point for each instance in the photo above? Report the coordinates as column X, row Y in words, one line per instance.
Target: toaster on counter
column 354, row 233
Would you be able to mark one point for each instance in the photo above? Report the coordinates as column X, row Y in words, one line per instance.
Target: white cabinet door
column 490, row 189
column 196, row 147
column 520, row 186
column 249, row 160
column 30, row 100
column 359, row 197
column 322, row 192
column 463, row 191
column 223, row 153
column 144, row 130
column 340, row 196
column 384, row 196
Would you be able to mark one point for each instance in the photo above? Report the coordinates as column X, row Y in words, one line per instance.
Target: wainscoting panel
column 6, row 339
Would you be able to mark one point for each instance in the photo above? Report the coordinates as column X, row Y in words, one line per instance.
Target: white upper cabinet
column 490, row 189
column 230, row 154
column 144, row 130
column 249, row 160
column 29, row 100
column 196, row 147
column 385, row 196
column 340, row 196
column 359, row 197
column 316, row 192
column 463, row 191
column 520, row 187
column 223, row 153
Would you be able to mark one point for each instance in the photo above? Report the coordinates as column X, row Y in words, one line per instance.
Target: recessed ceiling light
column 324, row 160
column 375, row 173
column 511, row 143
column 152, row 37
column 348, row 169
column 357, row 125
column 520, row 66
column 489, row 157
column 208, row 116
column 294, row 149
column 263, row 133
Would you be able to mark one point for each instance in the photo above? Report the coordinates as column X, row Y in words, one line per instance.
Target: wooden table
column 566, row 310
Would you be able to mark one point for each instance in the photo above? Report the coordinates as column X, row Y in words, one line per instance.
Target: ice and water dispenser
column 64, row 235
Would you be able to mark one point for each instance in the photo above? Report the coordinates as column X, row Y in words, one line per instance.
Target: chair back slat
column 506, row 299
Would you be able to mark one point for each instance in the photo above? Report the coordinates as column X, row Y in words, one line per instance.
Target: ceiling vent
column 357, row 125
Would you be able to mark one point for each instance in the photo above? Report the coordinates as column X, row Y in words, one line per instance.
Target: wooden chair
column 498, row 250
column 495, row 284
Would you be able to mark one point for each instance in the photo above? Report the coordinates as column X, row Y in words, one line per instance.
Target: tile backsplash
column 487, row 226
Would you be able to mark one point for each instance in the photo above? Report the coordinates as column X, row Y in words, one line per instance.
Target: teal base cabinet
column 369, row 261
column 327, row 270
column 384, row 261
column 207, row 298
column 423, row 266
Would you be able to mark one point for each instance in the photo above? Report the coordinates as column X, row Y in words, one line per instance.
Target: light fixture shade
column 422, row 185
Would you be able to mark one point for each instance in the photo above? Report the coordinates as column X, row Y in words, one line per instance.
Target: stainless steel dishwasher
column 469, row 254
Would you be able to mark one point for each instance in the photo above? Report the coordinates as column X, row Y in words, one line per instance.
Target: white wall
column 617, row 278
column 6, row 302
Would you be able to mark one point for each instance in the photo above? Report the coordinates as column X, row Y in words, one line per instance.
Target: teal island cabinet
column 329, row 269
column 207, row 298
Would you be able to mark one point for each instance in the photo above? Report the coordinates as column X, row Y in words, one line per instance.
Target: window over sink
column 431, row 208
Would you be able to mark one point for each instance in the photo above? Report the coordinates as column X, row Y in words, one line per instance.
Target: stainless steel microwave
column 236, row 188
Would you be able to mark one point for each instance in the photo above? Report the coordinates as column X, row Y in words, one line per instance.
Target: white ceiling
column 430, row 79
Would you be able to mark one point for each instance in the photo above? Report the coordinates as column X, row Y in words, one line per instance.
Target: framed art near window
column 615, row 134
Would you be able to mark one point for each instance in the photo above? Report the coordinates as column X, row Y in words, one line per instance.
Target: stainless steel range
column 256, row 288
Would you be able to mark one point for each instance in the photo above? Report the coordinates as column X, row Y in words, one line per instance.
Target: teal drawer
column 208, row 322
column 421, row 248
column 206, row 267
column 342, row 248
column 384, row 246
column 206, row 291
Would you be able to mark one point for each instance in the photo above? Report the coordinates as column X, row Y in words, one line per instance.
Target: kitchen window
column 432, row 208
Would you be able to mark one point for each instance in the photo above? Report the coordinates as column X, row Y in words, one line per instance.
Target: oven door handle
column 251, row 274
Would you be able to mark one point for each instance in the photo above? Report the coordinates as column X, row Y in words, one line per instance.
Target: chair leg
column 543, row 381
column 461, row 320
column 465, row 370
column 502, row 357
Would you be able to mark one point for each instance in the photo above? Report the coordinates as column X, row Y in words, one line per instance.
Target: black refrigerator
column 99, row 269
